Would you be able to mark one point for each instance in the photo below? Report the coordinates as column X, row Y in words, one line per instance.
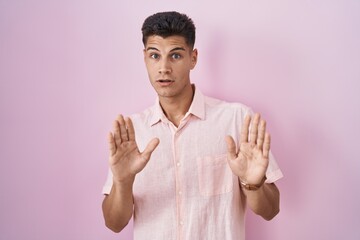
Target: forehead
column 168, row 42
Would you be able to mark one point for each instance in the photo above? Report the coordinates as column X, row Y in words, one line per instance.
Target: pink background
column 67, row 68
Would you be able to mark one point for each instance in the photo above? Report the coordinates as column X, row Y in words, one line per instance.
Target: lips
column 164, row 82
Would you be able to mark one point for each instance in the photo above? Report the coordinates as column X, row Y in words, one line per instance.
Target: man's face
column 168, row 62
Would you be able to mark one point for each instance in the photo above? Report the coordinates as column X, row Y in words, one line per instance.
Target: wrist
column 124, row 182
column 252, row 187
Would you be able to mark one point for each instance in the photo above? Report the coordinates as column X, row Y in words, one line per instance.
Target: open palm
column 251, row 160
column 125, row 158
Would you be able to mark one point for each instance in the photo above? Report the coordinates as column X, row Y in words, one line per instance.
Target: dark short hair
column 166, row 24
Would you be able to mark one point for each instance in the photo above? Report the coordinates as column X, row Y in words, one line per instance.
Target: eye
column 154, row 55
column 176, row 56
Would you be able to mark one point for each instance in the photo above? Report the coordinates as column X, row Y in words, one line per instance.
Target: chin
column 165, row 94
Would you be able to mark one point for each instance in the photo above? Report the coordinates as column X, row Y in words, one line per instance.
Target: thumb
column 231, row 147
column 150, row 148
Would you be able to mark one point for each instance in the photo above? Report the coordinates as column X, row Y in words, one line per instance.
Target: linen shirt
column 187, row 189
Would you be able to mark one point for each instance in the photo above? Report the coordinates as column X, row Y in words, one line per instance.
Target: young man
column 186, row 167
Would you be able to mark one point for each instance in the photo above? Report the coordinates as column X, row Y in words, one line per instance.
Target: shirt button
column 180, row 192
column 178, row 164
column 181, row 223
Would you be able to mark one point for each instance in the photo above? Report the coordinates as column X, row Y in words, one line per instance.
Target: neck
column 175, row 108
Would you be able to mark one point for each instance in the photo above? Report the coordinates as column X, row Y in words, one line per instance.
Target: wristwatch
column 252, row 187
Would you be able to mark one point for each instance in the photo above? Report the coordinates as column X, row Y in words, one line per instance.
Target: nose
column 164, row 67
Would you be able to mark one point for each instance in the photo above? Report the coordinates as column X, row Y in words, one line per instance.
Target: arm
column 264, row 201
column 118, row 206
column 125, row 162
column 250, row 163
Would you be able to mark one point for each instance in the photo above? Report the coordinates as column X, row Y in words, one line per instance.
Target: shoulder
column 143, row 117
column 218, row 105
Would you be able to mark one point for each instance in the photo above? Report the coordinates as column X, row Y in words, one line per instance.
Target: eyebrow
column 172, row 50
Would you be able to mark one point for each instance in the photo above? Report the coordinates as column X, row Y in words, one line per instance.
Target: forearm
column 264, row 201
column 118, row 206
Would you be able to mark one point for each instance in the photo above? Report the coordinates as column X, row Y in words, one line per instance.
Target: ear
column 194, row 56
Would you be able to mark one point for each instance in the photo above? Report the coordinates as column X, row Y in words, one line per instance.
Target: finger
column 130, row 129
column 123, row 131
column 146, row 154
column 266, row 147
column 112, row 145
column 117, row 137
column 231, row 148
column 261, row 134
column 254, row 129
column 245, row 129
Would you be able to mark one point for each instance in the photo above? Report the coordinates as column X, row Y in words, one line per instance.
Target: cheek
column 151, row 68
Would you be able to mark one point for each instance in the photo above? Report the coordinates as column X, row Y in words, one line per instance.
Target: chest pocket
column 215, row 175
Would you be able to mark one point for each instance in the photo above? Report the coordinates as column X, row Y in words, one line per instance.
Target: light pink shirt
column 187, row 190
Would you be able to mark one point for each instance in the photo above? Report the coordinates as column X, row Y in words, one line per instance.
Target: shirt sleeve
column 273, row 172
column 108, row 184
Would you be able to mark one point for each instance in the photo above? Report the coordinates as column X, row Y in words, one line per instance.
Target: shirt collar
column 197, row 108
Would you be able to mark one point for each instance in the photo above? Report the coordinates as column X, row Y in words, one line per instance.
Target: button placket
column 178, row 190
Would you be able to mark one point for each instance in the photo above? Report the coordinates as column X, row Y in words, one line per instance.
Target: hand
column 250, row 162
column 125, row 158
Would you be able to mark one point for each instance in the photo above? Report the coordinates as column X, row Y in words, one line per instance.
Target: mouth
column 164, row 82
